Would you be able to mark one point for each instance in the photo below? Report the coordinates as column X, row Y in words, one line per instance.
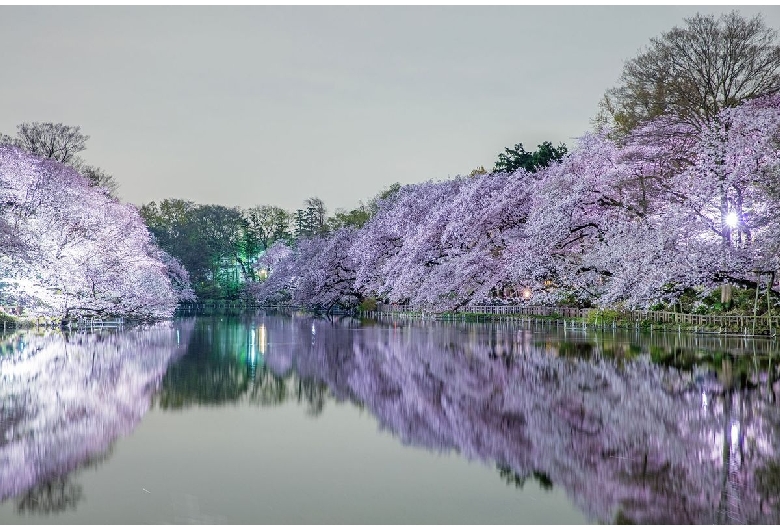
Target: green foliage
column 603, row 317
column 216, row 244
column 516, row 158
column 354, row 218
column 219, row 246
column 263, row 226
column 358, row 217
column 312, row 219
column 701, row 302
column 688, row 300
column 743, row 300
column 368, row 304
column 570, row 299
column 5, row 317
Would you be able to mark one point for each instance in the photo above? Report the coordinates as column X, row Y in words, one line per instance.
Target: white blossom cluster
column 69, row 249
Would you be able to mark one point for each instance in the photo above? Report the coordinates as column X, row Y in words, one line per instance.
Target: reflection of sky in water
column 631, row 428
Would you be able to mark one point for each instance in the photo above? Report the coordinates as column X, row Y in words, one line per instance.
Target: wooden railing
column 230, row 304
column 96, row 322
column 51, row 322
column 528, row 310
column 740, row 323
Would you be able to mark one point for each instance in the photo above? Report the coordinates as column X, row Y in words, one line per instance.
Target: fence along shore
column 746, row 325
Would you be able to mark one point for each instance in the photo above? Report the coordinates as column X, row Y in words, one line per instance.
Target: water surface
column 270, row 418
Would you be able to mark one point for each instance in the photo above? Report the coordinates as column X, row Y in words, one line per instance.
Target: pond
column 288, row 418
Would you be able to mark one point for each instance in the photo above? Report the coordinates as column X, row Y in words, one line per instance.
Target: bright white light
column 732, row 219
column 734, row 434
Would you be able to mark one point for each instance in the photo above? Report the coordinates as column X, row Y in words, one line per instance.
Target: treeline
column 221, row 246
column 673, row 195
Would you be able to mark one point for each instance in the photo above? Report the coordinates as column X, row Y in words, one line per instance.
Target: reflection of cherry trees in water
column 673, row 429
column 628, row 439
column 619, row 425
column 65, row 399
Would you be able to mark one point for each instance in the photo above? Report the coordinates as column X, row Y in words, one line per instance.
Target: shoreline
column 581, row 322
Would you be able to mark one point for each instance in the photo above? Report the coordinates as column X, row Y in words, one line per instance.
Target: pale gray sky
column 270, row 105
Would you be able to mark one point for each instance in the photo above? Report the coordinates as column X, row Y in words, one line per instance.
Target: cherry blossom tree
column 667, row 209
column 737, row 162
column 439, row 244
column 642, row 221
column 79, row 251
column 328, row 277
column 318, row 273
column 380, row 241
column 279, row 275
column 713, row 215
